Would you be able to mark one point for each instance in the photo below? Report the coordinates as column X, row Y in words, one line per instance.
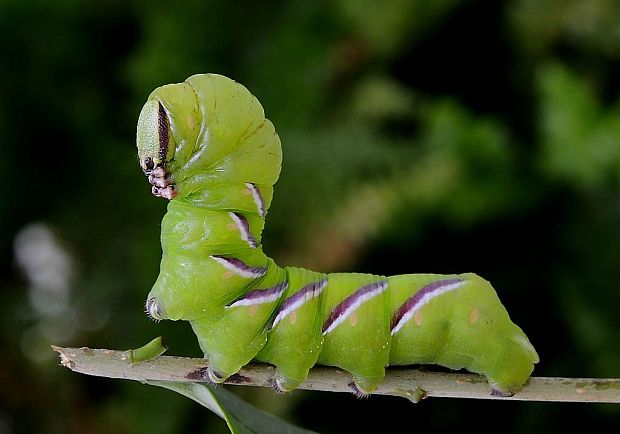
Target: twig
column 413, row 384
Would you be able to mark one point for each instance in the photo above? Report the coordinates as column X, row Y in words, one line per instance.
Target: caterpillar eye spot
column 474, row 315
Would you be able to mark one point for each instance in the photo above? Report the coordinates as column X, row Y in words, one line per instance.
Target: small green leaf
column 153, row 349
column 240, row 416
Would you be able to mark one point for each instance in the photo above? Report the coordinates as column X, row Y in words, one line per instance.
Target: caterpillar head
column 156, row 148
column 195, row 136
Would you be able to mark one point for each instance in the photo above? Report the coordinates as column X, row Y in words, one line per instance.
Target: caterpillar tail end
column 509, row 376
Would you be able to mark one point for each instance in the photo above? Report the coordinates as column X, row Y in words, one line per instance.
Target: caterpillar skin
column 206, row 146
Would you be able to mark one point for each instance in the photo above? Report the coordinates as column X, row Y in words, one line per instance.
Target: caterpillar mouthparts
column 161, row 181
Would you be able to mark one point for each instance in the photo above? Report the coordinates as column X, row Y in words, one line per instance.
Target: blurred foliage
column 419, row 136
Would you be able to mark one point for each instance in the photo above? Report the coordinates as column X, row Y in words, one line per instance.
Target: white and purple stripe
column 244, row 228
column 407, row 310
column 261, row 296
column 258, row 199
column 297, row 300
column 346, row 307
column 239, row 267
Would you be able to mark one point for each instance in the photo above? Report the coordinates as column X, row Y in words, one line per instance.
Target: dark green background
column 419, row 136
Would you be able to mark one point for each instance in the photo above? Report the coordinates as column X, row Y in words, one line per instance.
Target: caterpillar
column 206, row 146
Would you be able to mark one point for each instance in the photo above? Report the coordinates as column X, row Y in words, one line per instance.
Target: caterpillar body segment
column 206, row 146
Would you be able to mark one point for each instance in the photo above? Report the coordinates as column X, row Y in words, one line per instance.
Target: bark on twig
column 410, row 383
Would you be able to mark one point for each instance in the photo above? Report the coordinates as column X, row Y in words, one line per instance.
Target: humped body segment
column 207, row 146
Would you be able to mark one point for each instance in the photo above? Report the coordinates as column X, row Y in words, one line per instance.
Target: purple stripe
column 245, row 226
column 240, row 265
column 258, row 198
column 301, row 294
column 412, row 302
column 350, row 301
column 311, row 290
column 259, row 296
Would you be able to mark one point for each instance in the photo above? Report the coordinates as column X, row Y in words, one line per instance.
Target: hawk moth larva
column 206, row 145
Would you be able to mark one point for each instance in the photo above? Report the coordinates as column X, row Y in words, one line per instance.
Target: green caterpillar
column 206, row 146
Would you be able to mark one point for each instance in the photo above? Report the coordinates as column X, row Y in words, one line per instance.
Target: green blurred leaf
column 240, row 416
column 580, row 141
column 154, row 348
column 388, row 25
column 591, row 25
